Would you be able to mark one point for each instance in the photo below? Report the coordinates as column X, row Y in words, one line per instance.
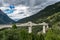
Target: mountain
column 43, row 14
column 24, row 8
column 4, row 19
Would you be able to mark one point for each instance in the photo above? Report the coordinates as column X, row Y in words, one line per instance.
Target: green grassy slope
column 43, row 14
column 50, row 14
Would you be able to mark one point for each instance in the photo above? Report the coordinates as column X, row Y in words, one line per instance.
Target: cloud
column 23, row 11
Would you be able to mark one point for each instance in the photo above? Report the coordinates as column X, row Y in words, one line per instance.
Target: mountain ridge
column 40, row 15
column 4, row 19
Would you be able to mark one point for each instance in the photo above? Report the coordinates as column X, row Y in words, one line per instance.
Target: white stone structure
column 29, row 24
column 45, row 25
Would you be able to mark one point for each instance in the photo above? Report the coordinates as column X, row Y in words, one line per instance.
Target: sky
column 20, row 11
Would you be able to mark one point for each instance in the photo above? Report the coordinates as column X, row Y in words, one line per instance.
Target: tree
column 14, row 26
column 51, row 35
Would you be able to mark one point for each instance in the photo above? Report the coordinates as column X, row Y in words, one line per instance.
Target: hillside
column 43, row 14
column 37, row 18
column 50, row 14
column 4, row 19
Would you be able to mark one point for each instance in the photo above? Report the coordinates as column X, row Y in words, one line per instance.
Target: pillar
column 44, row 31
column 30, row 29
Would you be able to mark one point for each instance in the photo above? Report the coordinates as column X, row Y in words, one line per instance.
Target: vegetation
column 15, row 33
column 14, row 26
column 50, row 14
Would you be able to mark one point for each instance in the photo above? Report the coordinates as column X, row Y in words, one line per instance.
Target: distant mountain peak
column 4, row 19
